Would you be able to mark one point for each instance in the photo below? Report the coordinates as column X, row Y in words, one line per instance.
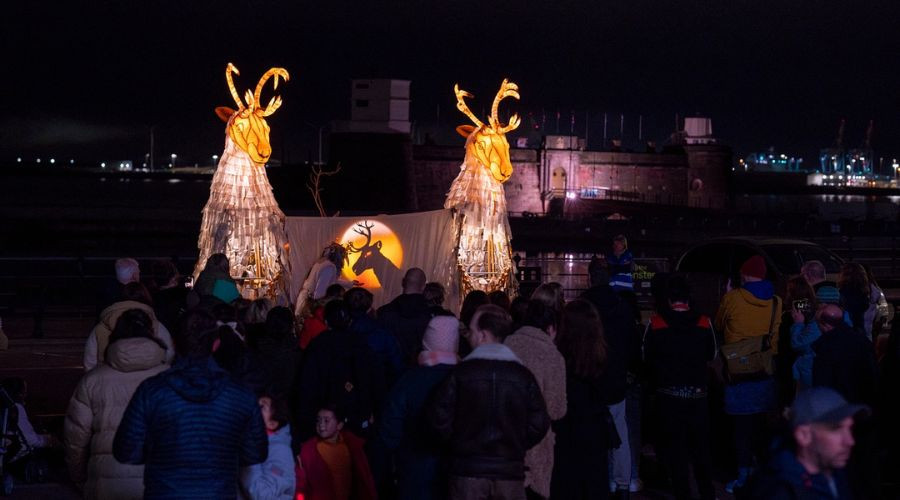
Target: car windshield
column 788, row 258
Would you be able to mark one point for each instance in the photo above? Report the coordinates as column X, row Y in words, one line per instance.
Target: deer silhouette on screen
column 370, row 256
column 484, row 253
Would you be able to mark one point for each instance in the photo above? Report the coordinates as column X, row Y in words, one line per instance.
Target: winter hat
column 754, row 267
column 442, row 334
column 225, row 291
column 828, row 295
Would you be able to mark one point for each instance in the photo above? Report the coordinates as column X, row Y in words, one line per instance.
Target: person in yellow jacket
column 753, row 310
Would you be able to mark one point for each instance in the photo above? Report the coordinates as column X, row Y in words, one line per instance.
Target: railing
column 69, row 287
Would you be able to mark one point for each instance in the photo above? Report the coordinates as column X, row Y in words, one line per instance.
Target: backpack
column 348, row 381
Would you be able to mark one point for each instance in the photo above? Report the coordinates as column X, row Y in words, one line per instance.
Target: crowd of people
column 199, row 393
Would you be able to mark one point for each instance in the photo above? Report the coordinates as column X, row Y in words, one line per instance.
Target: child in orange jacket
column 332, row 465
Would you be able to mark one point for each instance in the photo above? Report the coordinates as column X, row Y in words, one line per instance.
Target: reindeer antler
column 461, row 104
column 367, row 232
column 234, row 93
column 275, row 102
column 507, row 89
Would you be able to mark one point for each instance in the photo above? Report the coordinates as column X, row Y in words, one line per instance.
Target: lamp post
column 174, row 157
column 319, row 128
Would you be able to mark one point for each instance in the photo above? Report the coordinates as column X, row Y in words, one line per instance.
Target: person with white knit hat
column 401, row 428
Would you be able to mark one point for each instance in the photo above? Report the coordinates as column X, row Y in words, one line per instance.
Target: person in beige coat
column 96, row 408
column 533, row 344
column 135, row 296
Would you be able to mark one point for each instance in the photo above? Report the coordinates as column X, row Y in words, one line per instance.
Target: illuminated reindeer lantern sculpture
column 242, row 219
column 484, row 253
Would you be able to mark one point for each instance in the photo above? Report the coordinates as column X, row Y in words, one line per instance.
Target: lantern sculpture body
column 241, row 219
column 484, row 253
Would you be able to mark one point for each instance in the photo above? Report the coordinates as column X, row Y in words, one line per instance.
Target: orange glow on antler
column 247, row 125
column 488, row 144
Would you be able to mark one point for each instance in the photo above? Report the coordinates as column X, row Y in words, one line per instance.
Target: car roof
column 757, row 240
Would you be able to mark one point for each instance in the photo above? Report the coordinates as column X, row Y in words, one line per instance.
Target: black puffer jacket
column 338, row 368
column 406, row 317
column 845, row 361
column 677, row 348
column 490, row 412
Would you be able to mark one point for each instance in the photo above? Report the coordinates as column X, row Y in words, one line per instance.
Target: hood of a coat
column 281, row 436
column 753, row 300
column 196, row 379
column 680, row 319
column 110, row 315
column 786, row 467
column 135, row 354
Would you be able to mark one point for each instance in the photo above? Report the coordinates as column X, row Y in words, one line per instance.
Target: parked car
column 711, row 263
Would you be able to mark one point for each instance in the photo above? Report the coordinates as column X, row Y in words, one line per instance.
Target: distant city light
column 570, row 195
column 72, row 161
column 52, row 160
column 215, row 157
column 38, row 160
column 18, row 160
column 103, row 165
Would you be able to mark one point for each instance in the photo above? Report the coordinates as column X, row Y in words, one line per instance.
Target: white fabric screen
column 424, row 239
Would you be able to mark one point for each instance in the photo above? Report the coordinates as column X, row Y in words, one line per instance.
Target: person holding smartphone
column 803, row 330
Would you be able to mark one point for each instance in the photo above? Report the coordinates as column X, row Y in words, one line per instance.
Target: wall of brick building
column 663, row 178
column 708, row 164
column 435, row 168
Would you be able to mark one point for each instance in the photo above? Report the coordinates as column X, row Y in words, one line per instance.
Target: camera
column 801, row 305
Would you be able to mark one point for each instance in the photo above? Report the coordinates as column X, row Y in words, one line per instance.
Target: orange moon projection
column 368, row 243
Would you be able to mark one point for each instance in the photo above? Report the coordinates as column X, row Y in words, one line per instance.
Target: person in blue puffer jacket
column 192, row 426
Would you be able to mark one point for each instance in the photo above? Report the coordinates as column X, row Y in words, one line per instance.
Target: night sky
column 88, row 79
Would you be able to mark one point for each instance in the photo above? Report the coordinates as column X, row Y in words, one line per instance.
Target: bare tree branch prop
column 314, row 185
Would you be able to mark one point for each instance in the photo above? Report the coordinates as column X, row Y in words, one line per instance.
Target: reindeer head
column 247, row 126
column 488, row 143
column 367, row 252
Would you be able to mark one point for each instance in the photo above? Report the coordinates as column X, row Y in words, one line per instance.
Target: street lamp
column 319, row 128
column 174, row 156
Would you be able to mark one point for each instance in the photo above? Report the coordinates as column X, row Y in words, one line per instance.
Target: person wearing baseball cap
column 821, row 425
